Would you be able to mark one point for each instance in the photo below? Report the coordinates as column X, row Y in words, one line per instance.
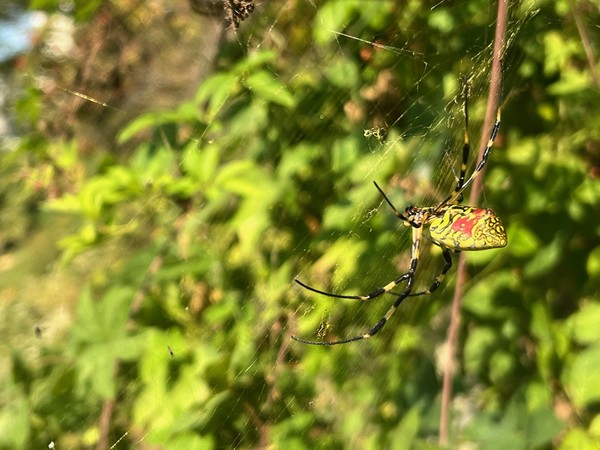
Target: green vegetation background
column 154, row 248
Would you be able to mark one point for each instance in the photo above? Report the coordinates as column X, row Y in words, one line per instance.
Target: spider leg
column 466, row 145
column 486, row 153
column 396, row 212
column 461, row 186
column 379, row 291
column 376, row 293
column 438, row 280
column 408, row 276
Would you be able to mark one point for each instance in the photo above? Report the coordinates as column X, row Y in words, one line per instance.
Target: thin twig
column 105, row 416
column 492, row 105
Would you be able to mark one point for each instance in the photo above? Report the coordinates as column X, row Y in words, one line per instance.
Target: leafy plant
column 184, row 239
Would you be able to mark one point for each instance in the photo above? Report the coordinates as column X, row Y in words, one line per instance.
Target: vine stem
column 461, row 277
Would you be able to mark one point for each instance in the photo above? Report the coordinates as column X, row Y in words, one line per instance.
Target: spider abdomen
column 467, row 228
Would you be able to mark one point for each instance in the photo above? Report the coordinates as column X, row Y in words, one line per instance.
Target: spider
column 451, row 227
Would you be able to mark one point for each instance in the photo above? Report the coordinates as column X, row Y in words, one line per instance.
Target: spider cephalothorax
column 452, row 227
column 414, row 216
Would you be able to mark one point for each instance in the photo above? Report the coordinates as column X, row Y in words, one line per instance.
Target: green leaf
column 14, row 420
column 480, row 299
column 584, row 324
column 407, row 429
column 191, row 441
column 522, row 241
column 140, row 124
column 441, row 19
column 573, row 82
column 525, row 153
column 265, row 86
column 593, row 263
column 479, row 347
column 100, row 338
column 68, row 203
column 298, row 160
column 578, row 439
column 344, row 153
column 214, row 92
column 331, row 17
column 102, row 320
column 545, row 258
column 518, row 427
column 342, row 72
column 201, row 163
column 185, row 113
column 151, row 164
column 581, row 380
column 254, row 60
column 245, row 179
column 594, row 428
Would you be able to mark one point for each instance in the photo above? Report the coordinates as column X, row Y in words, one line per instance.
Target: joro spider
column 452, row 227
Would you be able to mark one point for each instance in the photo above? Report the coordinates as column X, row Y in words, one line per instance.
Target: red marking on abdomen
column 464, row 225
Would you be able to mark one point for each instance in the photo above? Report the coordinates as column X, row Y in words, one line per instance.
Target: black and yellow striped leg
column 466, row 145
column 457, row 193
column 379, row 291
column 438, row 280
column 409, row 277
column 486, row 153
column 488, row 148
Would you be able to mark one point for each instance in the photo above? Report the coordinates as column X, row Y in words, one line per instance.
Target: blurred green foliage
column 185, row 236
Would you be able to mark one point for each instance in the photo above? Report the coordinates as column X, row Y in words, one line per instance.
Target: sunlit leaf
column 265, row 86
column 214, row 93
column 581, row 378
column 332, row 17
column 584, row 324
column 521, row 240
column 342, row 73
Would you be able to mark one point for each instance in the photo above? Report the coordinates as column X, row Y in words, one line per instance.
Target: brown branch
column 105, row 415
column 492, row 106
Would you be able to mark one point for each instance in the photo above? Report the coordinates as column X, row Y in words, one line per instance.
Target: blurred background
column 169, row 167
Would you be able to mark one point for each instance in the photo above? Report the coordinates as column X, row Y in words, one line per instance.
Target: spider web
column 410, row 131
column 428, row 132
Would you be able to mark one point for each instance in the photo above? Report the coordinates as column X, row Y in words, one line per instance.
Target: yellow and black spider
column 452, row 227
